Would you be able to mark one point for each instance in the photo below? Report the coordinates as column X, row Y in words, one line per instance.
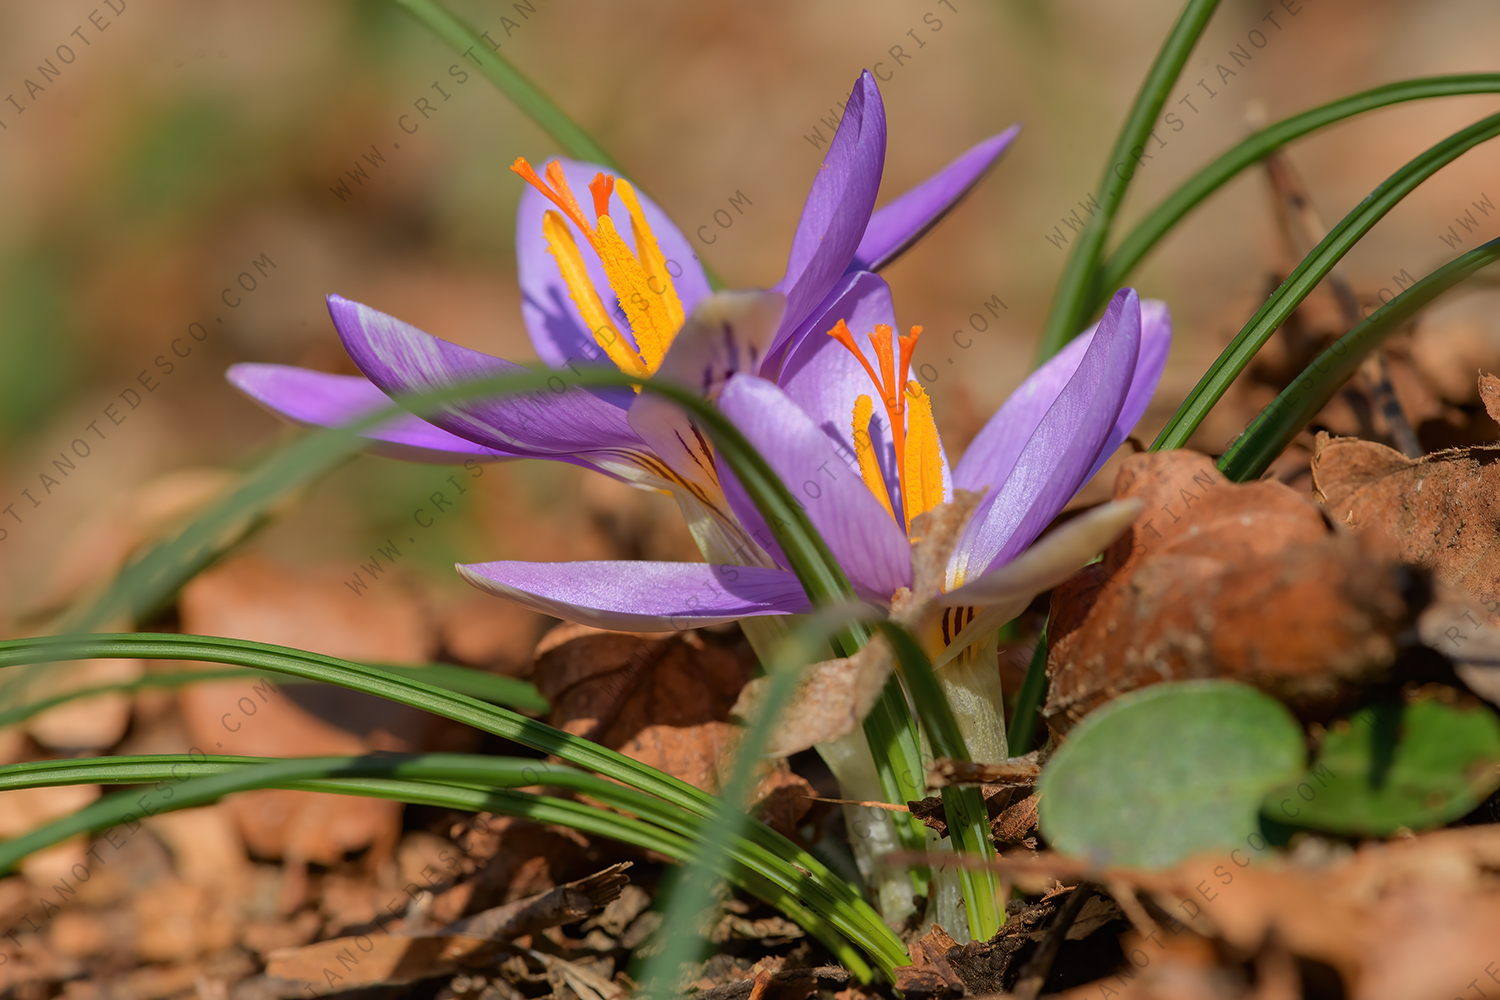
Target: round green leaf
column 1389, row 766
column 1167, row 772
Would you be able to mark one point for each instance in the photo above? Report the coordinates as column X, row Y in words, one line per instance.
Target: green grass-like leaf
column 1312, row 270
column 794, row 872
column 1172, row 209
column 1075, row 292
column 1266, row 437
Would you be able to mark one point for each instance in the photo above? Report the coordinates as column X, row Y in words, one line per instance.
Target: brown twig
column 1034, row 973
column 1304, row 229
column 562, row 905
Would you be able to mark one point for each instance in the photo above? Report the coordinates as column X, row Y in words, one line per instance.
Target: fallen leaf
column 386, row 959
column 930, row 973
column 1214, row 579
column 1440, row 512
column 662, row 701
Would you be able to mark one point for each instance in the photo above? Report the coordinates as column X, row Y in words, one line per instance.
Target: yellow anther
column 649, row 252
column 575, row 274
column 923, row 480
column 864, row 450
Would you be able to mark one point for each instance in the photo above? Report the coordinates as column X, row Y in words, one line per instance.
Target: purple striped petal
column 401, row 359
column 838, row 207
column 317, row 399
column 994, row 450
column 896, row 226
column 1156, row 340
column 865, row 540
column 642, row 596
column 1060, row 451
column 556, row 327
column 824, row 379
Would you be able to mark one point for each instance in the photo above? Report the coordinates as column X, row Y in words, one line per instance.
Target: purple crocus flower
column 634, row 295
column 840, row 457
column 867, row 477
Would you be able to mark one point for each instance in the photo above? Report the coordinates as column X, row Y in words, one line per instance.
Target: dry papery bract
column 1216, row 579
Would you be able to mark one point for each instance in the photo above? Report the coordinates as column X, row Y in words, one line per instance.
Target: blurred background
column 165, row 164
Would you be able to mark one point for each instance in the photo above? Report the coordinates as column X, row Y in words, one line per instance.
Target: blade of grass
column 1160, row 220
column 776, row 857
column 511, row 692
column 678, row 938
column 1029, row 701
column 1306, row 276
column 204, row 780
column 1259, row 444
column 497, row 69
column 1075, row 288
column 968, row 819
column 573, row 140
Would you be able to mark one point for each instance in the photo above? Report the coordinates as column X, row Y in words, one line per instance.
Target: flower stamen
column 641, row 283
column 919, row 468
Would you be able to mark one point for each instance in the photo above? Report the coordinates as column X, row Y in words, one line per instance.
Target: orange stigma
column 919, row 463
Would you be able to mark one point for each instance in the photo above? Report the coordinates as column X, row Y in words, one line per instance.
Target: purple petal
column 317, row 399
column 556, row 327
column 401, row 359
column 899, row 224
column 994, row 450
column 1060, row 451
column 837, row 209
column 1156, row 340
column 824, row 379
column 642, row 596
column 865, row 540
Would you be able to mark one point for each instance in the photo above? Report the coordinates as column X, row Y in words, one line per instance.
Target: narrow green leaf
column 509, row 691
column 1312, row 270
column 1029, row 701
column 1269, row 434
column 497, row 69
column 968, row 819
column 1075, row 291
column 678, row 939
column 457, row 781
column 1150, row 230
column 768, row 851
column 1167, row 772
column 1391, row 766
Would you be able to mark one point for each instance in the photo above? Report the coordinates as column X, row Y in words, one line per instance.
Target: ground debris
column 1240, row 581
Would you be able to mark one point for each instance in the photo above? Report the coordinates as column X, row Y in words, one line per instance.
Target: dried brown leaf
column 1216, row 579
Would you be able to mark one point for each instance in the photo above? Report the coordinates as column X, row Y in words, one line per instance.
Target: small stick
column 1034, row 974
column 1304, row 230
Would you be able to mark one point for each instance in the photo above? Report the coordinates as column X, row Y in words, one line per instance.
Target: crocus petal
column 642, row 596
column 994, row 450
column 838, row 207
column 556, row 327
column 401, row 359
column 899, row 224
column 318, row 399
column 867, row 543
column 823, row 378
column 1003, row 593
column 1156, row 339
column 1059, row 453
